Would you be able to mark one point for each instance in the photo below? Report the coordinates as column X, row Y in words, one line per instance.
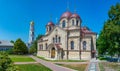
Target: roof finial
column 68, row 5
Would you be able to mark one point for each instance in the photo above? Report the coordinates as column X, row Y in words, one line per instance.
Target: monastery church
column 67, row 39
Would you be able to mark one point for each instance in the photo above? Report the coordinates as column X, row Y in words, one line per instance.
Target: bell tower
column 31, row 34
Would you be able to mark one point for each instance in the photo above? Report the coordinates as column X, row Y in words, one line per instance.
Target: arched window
column 72, row 44
column 63, row 24
column 72, row 22
column 49, row 28
column 56, row 38
column 77, row 23
column 46, row 46
column 40, row 47
column 53, row 40
column 84, row 45
column 59, row 39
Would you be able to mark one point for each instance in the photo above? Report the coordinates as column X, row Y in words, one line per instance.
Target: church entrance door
column 53, row 52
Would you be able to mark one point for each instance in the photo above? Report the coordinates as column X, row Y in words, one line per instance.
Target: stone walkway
column 93, row 66
column 51, row 65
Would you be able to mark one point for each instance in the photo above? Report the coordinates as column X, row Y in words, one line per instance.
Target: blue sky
column 15, row 15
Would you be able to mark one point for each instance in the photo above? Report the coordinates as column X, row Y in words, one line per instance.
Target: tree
column 109, row 38
column 20, row 47
column 6, row 63
column 33, row 48
column 12, row 41
column 10, row 51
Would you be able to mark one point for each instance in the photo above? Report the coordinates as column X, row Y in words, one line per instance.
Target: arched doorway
column 53, row 52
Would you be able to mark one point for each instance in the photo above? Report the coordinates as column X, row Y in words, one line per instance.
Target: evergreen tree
column 20, row 47
column 109, row 38
column 33, row 48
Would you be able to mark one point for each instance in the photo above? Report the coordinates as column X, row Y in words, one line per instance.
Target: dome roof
column 75, row 16
column 32, row 22
column 66, row 14
column 50, row 23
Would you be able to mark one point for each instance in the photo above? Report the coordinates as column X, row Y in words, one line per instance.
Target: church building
column 67, row 39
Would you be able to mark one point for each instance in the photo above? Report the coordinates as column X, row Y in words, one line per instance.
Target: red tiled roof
column 75, row 16
column 50, row 23
column 84, row 31
column 69, row 15
column 66, row 15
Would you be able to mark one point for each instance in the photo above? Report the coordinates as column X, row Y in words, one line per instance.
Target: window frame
column 72, row 45
column 46, row 46
column 73, row 22
column 63, row 24
column 77, row 22
column 84, row 45
column 59, row 39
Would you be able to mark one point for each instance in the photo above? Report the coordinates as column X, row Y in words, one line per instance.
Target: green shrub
column 102, row 58
column 6, row 63
column 10, row 51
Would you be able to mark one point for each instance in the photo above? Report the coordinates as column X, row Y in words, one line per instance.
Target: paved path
column 93, row 66
column 51, row 65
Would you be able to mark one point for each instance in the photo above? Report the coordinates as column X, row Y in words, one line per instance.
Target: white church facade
column 67, row 40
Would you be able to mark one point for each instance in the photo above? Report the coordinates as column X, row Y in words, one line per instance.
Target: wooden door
column 53, row 53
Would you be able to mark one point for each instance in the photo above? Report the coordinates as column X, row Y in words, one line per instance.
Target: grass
column 62, row 60
column 101, row 67
column 33, row 67
column 21, row 58
column 78, row 67
column 111, row 65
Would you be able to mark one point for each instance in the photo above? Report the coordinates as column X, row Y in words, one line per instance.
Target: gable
column 57, row 31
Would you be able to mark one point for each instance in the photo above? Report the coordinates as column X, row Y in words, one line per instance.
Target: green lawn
column 101, row 67
column 110, row 65
column 78, row 67
column 62, row 60
column 33, row 67
column 21, row 58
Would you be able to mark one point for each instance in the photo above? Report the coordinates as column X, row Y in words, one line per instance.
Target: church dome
column 50, row 23
column 66, row 14
column 32, row 22
column 75, row 16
